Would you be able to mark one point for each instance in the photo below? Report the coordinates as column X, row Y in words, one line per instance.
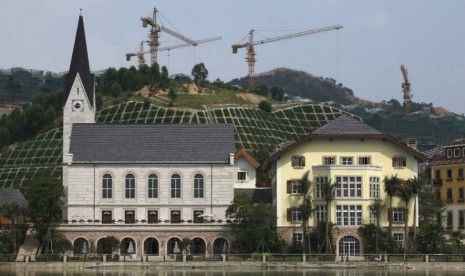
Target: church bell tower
column 79, row 91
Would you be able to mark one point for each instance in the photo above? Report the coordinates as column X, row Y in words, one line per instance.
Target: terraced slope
column 255, row 130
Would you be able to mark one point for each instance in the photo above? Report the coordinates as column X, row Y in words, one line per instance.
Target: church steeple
column 80, row 65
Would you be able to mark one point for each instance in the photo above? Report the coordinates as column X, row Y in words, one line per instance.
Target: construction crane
column 139, row 54
column 155, row 34
column 251, row 49
column 142, row 52
column 406, row 90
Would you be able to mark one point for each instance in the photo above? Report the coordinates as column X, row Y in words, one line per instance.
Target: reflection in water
column 136, row 271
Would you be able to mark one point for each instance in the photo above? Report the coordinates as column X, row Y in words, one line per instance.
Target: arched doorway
column 198, row 246
column 349, row 246
column 174, row 246
column 220, row 246
column 81, row 246
column 107, row 245
column 128, row 246
column 151, row 247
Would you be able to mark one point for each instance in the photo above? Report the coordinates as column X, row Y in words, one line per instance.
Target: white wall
column 242, row 164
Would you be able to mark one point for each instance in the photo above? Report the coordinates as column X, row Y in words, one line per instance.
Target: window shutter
column 303, row 161
column 293, row 161
column 393, row 161
column 289, row 186
column 289, row 214
column 404, row 162
column 390, row 214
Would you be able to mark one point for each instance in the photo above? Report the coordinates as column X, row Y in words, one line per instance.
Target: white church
column 149, row 186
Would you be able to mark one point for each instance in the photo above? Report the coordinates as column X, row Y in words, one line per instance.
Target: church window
column 153, row 186
column 130, row 187
column 198, row 186
column 175, row 186
column 107, row 186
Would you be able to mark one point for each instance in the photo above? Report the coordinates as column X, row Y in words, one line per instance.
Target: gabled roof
column 152, row 143
column 80, row 64
column 242, row 153
column 10, row 196
column 346, row 128
column 346, row 125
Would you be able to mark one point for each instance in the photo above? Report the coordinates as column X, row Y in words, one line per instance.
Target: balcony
column 263, row 184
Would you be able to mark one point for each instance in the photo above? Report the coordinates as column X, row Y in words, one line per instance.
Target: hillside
column 255, row 130
column 305, row 85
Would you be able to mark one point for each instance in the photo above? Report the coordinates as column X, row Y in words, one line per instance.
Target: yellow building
column 448, row 179
column 354, row 156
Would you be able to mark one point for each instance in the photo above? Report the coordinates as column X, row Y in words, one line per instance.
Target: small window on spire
column 78, row 90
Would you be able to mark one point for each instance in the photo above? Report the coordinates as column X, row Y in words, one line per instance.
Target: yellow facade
column 380, row 153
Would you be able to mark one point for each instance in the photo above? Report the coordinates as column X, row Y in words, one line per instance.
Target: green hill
column 256, row 131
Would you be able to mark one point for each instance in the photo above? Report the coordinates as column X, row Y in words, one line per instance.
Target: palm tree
column 328, row 193
column 391, row 185
column 376, row 208
column 305, row 208
column 405, row 192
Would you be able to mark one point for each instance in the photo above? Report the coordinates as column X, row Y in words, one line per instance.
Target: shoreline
column 231, row 265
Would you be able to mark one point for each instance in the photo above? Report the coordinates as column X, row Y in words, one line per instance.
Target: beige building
column 354, row 156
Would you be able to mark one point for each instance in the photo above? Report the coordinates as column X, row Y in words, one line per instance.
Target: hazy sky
column 428, row 37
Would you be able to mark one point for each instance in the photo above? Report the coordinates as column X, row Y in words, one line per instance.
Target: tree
column 164, row 79
column 305, row 208
column 200, row 73
column 391, row 185
column 328, row 193
column 416, row 184
column 405, row 193
column 172, row 96
column 265, row 106
column 376, row 208
column 255, row 229
column 45, row 203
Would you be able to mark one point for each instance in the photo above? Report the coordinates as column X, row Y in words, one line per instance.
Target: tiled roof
column 257, row 195
column 346, row 125
column 346, row 128
column 456, row 142
column 9, row 196
column 152, row 143
column 80, row 64
column 443, row 160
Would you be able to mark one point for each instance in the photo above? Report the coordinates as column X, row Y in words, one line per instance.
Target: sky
column 427, row 36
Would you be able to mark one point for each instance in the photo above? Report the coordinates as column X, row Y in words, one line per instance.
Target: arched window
column 198, row 186
column 107, row 186
column 176, row 186
column 151, row 247
column 349, row 246
column 130, row 187
column 153, row 186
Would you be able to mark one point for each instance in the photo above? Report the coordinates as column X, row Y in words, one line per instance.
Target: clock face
column 78, row 105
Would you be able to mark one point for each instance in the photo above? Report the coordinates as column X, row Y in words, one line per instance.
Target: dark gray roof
column 9, row 196
column 80, row 64
column 152, row 143
column 257, row 195
column 346, row 125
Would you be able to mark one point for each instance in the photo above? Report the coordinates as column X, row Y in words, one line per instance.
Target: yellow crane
column 155, row 34
column 251, row 49
column 140, row 54
column 406, row 90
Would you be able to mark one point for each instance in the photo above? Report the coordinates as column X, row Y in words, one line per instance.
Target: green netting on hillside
column 255, row 130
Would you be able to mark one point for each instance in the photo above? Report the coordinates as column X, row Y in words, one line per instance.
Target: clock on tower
column 77, row 105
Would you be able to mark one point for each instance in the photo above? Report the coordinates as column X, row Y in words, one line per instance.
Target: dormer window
column 449, row 153
column 457, row 152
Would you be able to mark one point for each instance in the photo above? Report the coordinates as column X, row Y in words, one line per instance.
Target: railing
column 258, row 257
column 141, row 222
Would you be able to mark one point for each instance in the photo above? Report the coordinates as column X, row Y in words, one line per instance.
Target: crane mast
column 406, row 91
column 251, row 49
column 155, row 34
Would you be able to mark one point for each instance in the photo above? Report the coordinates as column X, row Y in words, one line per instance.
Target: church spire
column 80, row 64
